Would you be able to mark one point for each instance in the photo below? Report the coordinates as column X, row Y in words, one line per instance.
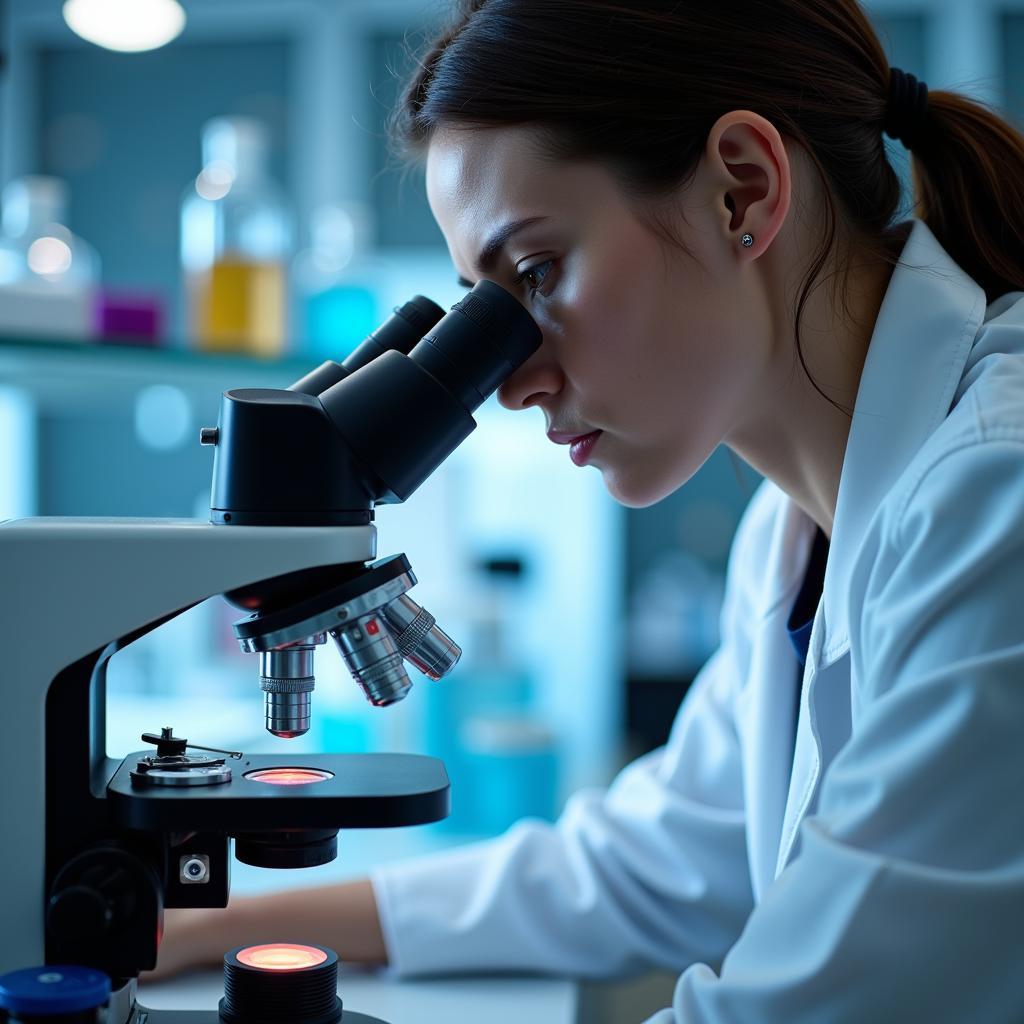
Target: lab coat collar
column 927, row 323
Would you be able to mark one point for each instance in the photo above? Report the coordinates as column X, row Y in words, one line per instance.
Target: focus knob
column 105, row 911
column 79, row 910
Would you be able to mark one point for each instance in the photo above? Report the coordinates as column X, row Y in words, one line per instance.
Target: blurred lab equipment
column 511, row 771
column 484, row 724
column 338, row 282
column 673, row 616
column 48, row 276
column 236, row 236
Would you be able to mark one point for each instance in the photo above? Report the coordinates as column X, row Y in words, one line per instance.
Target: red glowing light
column 372, row 628
column 281, row 956
column 289, row 776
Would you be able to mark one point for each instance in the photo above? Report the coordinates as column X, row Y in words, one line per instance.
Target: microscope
column 95, row 848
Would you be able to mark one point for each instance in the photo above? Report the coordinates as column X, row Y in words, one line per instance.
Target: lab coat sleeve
column 906, row 899
column 651, row 872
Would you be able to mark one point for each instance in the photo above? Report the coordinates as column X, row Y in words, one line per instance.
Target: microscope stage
column 362, row 791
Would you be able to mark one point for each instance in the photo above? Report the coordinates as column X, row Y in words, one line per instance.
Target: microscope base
column 144, row 1016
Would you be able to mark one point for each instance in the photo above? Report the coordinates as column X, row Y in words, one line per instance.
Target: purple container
column 127, row 317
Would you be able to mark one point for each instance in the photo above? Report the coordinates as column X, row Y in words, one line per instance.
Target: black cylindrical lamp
column 280, row 983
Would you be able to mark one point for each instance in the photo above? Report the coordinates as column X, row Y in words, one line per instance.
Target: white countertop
column 508, row 1000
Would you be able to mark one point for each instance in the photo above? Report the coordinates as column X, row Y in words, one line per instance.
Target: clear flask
column 48, row 275
column 236, row 237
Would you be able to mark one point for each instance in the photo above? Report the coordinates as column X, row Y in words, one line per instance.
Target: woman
column 834, row 830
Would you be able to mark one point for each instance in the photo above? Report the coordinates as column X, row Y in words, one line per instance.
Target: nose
column 537, row 379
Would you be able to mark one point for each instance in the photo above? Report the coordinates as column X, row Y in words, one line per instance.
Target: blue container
column 508, row 771
column 450, row 705
column 57, row 993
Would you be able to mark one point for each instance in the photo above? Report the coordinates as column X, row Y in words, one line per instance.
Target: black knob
column 167, row 744
column 208, row 435
column 104, row 911
column 79, row 911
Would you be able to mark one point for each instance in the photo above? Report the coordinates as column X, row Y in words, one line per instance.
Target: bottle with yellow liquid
column 236, row 238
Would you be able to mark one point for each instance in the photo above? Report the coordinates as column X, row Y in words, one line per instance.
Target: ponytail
column 969, row 189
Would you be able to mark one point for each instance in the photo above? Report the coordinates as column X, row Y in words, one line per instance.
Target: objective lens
column 369, row 651
column 287, row 680
column 419, row 638
column 289, row 776
column 280, row 983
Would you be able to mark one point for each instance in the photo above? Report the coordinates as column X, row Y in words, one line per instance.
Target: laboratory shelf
column 83, row 374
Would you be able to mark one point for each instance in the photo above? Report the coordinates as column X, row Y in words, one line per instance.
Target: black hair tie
column 907, row 112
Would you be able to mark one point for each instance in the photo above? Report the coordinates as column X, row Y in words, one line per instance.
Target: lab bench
column 508, row 1000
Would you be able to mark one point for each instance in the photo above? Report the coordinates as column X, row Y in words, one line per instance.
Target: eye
column 535, row 276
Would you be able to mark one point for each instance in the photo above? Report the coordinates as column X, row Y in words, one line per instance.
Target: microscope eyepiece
column 353, row 435
column 486, row 336
column 402, row 416
column 401, row 331
column 344, row 439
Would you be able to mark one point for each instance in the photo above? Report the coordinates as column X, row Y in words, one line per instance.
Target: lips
column 567, row 437
column 581, row 445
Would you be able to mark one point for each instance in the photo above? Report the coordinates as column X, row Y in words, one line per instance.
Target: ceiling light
column 126, row 25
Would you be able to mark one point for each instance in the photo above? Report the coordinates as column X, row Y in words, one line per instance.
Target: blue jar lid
column 53, row 990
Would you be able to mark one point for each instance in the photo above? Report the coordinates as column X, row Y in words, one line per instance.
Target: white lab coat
column 877, row 874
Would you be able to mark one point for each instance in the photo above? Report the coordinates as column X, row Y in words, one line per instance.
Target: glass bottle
column 48, row 275
column 236, row 230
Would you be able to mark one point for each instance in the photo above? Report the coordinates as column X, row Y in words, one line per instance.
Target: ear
column 749, row 165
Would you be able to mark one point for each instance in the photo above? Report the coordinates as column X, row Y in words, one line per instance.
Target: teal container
column 450, row 705
column 338, row 319
column 508, row 770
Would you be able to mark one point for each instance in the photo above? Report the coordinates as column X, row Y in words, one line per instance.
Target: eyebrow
column 492, row 248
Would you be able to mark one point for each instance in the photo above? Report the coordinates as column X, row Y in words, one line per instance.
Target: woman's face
column 651, row 348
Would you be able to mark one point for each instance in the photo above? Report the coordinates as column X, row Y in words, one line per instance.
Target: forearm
column 342, row 917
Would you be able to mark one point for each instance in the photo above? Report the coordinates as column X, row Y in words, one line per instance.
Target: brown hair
column 639, row 85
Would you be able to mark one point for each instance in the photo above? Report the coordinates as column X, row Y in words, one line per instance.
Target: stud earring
column 747, row 241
